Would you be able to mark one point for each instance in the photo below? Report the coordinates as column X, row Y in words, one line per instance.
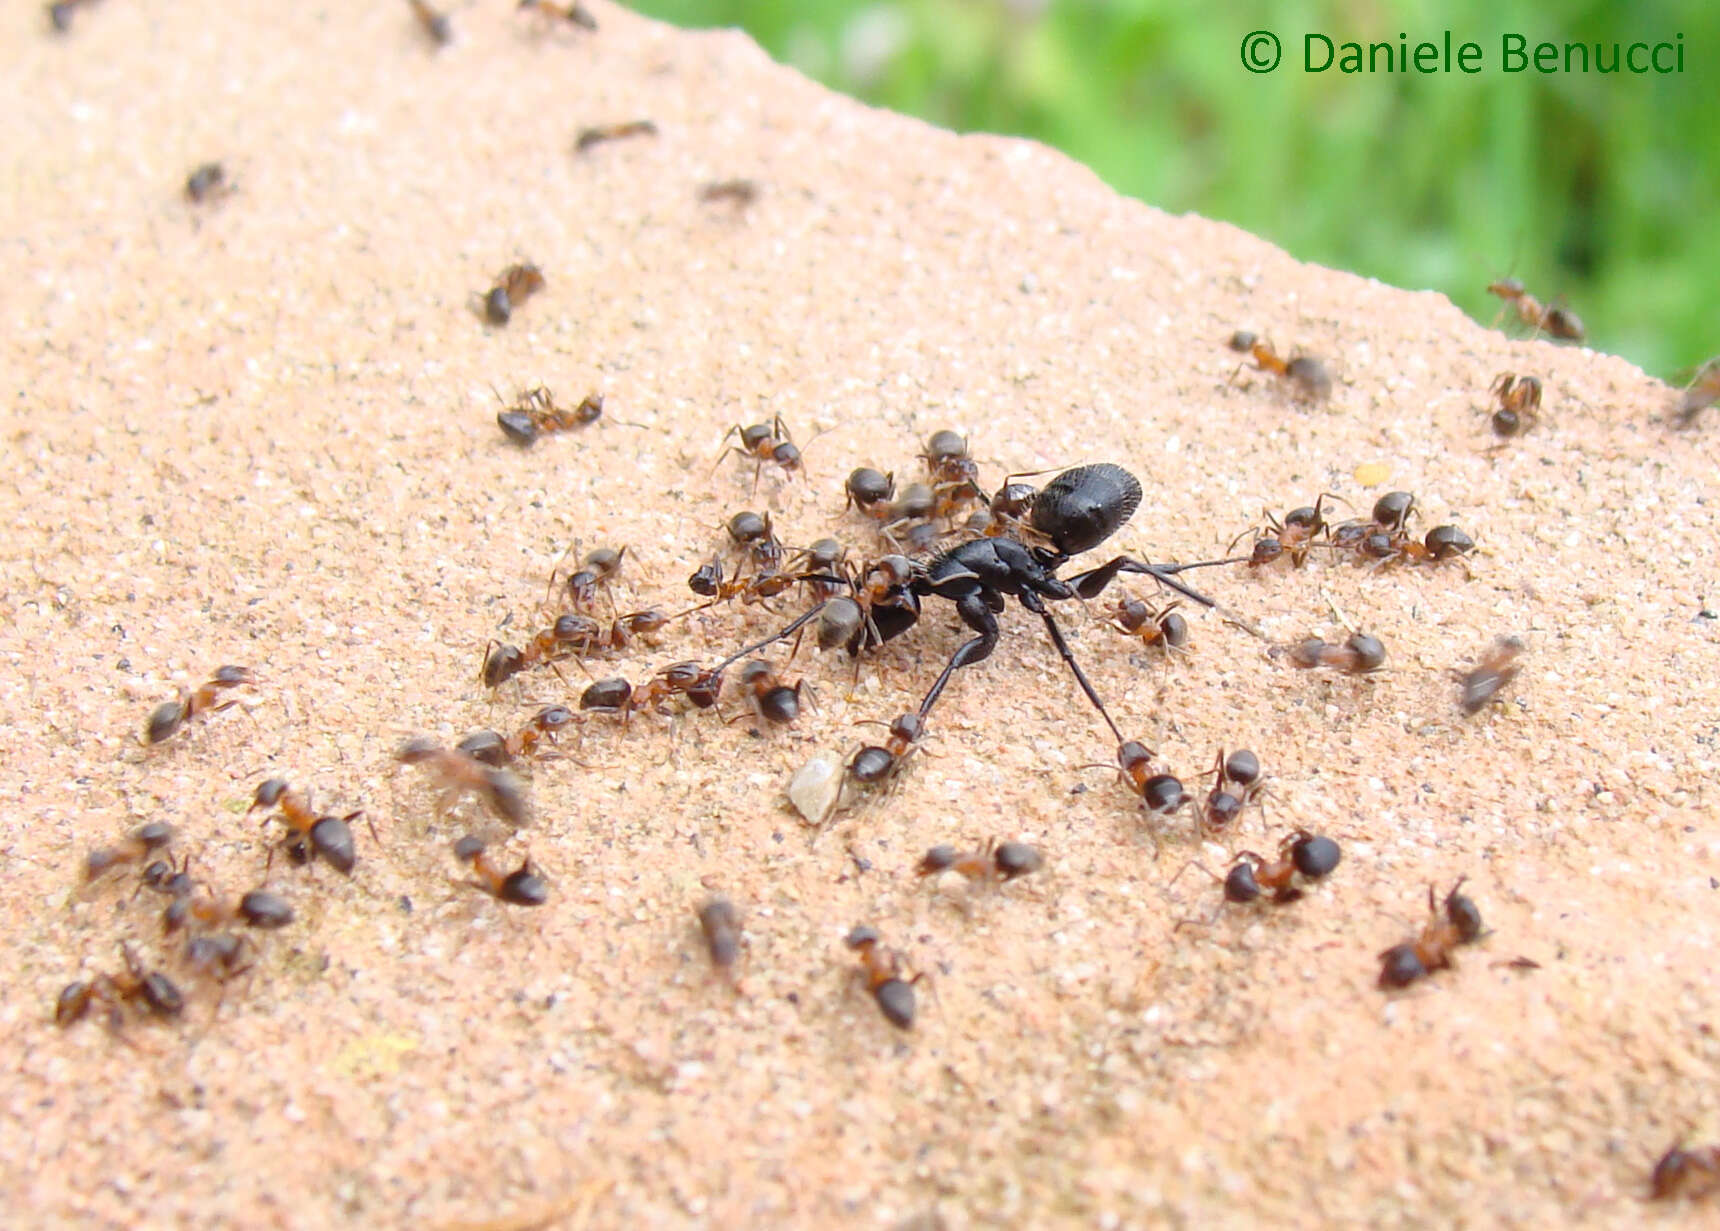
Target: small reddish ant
column 137, row 845
column 1519, row 404
column 521, row 887
column 61, row 12
column 871, row 491
column 766, row 694
column 168, row 717
column 516, row 284
column 1159, row 628
column 702, row 686
column 1385, row 539
column 536, row 414
column 1360, row 655
column 574, row 14
column 600, row 133
column 152, row 990
column 876, row 763
column 753, row 535
column 433, row 23
column 260, row 908
column 461, row 774
column 492, row 748
column 1482, row 684
column 309, row 835
column 764, row 442
column 882, row 969
column 1000, row 862
column 1685, row 1173
column 1702, row 393
column 1559, row 322
column 208, row 183
column 948, row 460
column 1310, row 856
column 721, row 926
column 1401, row 965
column 571, row 635
column 1306, row 375
column 1292, row 537
column 738, row 192
column 599, row 569
column 1236, row 781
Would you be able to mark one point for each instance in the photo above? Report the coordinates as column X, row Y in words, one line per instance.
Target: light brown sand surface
column 263, row 432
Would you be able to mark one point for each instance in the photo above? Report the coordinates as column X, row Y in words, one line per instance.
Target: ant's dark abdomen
column 1081, row 508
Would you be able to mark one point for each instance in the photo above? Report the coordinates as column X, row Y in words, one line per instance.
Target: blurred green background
column 1587, row 186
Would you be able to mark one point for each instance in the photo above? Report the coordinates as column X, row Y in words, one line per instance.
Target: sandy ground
column 262, row 431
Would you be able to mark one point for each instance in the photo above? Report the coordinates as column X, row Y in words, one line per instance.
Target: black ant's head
column 1083, row 507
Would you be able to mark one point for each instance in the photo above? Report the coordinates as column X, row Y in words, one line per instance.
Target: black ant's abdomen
column 1083, row 507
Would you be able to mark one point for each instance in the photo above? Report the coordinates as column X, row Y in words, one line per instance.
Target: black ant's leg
column 794, row 626
column 1093, row 582
column 976, row 613
column 1035, row 604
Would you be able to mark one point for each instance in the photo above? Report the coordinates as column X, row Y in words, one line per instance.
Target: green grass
column 1590, row 187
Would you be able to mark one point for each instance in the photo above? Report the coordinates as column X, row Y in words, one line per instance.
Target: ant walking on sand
column 1558, row 322
column 168, row 717
column 1307, row 376
column 1458, row 924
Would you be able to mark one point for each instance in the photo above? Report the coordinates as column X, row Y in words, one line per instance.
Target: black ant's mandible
column 1075, row 512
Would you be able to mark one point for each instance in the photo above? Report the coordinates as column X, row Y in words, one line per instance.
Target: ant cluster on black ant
column 1557, row 322
column 309, row 836
column 1307, row 376
column 1459, row 923
column 168, row 717
column 535, row 414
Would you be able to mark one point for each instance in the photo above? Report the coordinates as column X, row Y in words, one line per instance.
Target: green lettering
column 1514, row 51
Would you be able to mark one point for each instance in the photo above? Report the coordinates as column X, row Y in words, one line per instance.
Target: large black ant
column 1560, row 322
column 309, row 835
column 168, row 717
column 883, row 969
column 1306, row 375
column 1458, row 924
column 536, row 414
